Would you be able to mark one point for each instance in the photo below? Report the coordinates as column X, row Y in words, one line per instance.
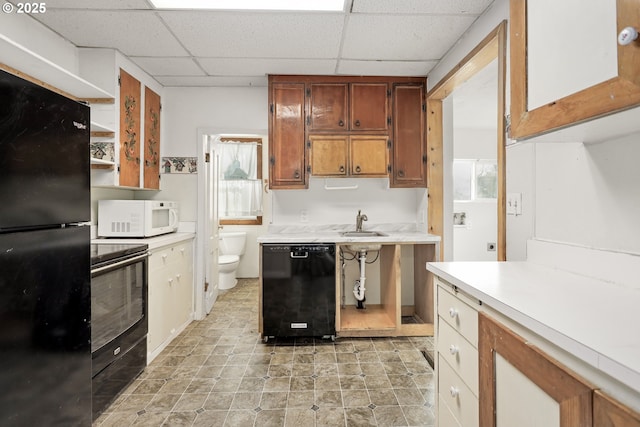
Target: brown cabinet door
column 369, row 107
column 409, row 143
column 328, row 107
column 328, row 155
column 129, row 130
column 610, row 413
column 151, row 153
column 286, row 139
column 369, row 155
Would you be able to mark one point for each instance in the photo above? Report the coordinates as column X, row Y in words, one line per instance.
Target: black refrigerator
column 45, row 282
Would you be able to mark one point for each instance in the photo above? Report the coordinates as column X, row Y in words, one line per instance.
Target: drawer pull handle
column 454, row 350
column 453, row 312
column 454, row 392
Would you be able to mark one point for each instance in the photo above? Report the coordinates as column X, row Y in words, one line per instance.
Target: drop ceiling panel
column 262, row 66
column 385, row 68
column 257, row 81
column 264, row 35
column 97, row 4
column 394, row 37
column 420, row 6
column 121, row 30
column 169, row 66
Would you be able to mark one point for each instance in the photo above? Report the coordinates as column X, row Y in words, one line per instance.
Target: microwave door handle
column 173, row 222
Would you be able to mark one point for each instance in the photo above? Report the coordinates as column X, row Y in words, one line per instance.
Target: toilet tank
column 233, row 243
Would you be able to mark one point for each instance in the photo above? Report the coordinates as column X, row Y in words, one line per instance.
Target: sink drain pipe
column 358, row 287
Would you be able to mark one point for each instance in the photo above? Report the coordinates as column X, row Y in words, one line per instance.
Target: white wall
column 223, row 110
column 470, row 241
column 573, row 193
column 588, row 194
column 373, row 196
column 26, row 31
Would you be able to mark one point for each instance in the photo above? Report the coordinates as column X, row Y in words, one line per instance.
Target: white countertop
column 594, row 320
column 153, row 242
column 394, row 233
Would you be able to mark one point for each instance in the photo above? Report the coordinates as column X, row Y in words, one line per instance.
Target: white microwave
column 136, row 218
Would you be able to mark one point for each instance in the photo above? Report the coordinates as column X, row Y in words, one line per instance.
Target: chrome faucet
column 359, row 220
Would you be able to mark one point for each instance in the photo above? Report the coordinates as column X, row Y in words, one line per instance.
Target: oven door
column 118, row 299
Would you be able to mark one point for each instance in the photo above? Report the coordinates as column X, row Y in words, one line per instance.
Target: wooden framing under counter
column 573, row 395
column 385, row 319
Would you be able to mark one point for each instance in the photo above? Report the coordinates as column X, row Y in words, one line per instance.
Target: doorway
column 208, row 220
column 440, row 143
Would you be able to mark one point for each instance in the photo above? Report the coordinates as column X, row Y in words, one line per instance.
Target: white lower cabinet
column 457, row 358
column 170, row 294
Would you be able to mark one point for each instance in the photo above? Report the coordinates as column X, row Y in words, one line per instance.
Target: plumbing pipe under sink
column 358, row 288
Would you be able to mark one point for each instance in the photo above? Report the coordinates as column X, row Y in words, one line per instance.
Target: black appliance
column 45, row 311
column 119, row 276
column 298, row 290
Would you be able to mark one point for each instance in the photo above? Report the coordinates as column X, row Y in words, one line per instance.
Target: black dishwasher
column 299, row 290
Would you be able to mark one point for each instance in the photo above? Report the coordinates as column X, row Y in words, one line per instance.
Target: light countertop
column 153, row 242
column 594, row 320
column 394, row 233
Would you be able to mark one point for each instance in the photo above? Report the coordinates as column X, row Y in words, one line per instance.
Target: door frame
column 200, row 262
column 493, row 46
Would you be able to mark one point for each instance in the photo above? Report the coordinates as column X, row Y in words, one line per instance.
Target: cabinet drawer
column 445, row 415
column 459, row 315
column 459, row 353
column 170, row 255
column 456, row 395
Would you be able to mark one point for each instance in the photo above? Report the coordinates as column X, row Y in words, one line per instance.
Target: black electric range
column 106, row 253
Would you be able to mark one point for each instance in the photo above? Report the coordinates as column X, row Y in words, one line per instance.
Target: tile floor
column 219, row 373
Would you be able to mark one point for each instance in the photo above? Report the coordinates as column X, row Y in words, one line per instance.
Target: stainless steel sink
column 362, row 233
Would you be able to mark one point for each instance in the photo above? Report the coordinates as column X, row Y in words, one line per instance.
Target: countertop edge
column 153, row 242
column 592, row 357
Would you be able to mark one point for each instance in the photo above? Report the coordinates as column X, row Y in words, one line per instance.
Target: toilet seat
column 228, row 259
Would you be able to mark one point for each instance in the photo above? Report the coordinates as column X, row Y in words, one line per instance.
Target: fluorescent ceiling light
column 311, row 5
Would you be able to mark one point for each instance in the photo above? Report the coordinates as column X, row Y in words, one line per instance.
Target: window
column 239, row 180
column 475, row 180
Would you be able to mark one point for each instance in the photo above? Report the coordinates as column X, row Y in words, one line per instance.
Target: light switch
column 514, row 204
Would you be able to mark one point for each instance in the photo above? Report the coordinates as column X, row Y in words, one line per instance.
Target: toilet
column 232, row 245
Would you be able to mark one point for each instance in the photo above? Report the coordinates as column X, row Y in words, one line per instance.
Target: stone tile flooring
column 218, row 372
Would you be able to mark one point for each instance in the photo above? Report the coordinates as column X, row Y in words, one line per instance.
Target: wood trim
column 621, row 92
column 572, row 393
column 257, row 221
column 103, row 134
column 491, row 47
column 610, row 413
column 435, row 193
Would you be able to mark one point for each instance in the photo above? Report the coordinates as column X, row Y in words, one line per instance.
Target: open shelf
column 28, row 65
column 101, row 164
column 101, row 131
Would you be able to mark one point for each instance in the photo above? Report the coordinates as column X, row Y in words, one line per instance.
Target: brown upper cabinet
column 328, row 107
column 369, row 107
column 344, row 126
column 409, row 143
column 287, row 161
column 347, row 107
column 344, row 155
